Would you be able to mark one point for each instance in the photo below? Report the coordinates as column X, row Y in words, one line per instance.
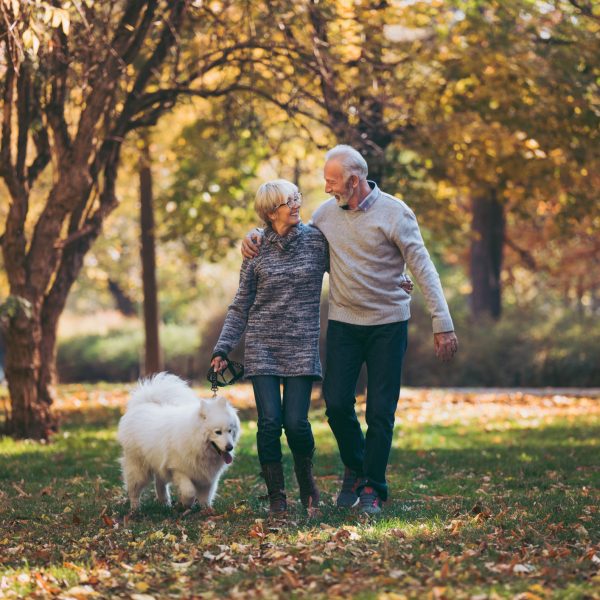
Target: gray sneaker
column 347, row 498
column 370, row 502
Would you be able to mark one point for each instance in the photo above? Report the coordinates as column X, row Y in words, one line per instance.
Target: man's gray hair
column 351, row 160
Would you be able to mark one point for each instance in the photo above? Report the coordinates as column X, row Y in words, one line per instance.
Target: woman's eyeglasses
column 294, row 200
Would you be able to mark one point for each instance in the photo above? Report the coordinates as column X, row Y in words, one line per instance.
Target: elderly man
column 372, row 236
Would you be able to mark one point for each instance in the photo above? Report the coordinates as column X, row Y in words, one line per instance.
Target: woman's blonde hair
column 270, row 195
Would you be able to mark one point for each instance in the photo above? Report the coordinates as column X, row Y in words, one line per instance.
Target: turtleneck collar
column 284, row 241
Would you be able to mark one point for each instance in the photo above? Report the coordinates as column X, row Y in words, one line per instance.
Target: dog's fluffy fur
column 171, row 434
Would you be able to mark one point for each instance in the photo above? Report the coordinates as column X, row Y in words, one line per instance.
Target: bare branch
column 24, row 118
column 103, row 84
column 55, row 109
column 14, row 47
column 167, row 39
column 525, row 255
column 40, row 139
column 337, row 117
column 123, row 38
column 141, row 32
column 7, row 99
column 585, row 8
column 80, row 233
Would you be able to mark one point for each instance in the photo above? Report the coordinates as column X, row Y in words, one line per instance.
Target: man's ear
column 355, row 181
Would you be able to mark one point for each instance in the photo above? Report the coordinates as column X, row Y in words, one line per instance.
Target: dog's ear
column 221, row 400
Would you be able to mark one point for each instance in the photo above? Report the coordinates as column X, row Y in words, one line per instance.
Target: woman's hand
column 218, row 363
column 251, row 243
column 406, row 284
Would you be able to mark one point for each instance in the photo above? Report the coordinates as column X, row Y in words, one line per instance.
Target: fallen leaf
column 526, row 568
column 108, row 521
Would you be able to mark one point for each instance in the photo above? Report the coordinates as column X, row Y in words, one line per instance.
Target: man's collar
column 368, row 200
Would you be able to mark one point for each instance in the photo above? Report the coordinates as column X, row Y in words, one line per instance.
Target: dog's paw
column 132, row 516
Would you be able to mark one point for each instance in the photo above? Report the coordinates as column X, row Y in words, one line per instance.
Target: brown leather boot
column 273, row 475
column 309, row 494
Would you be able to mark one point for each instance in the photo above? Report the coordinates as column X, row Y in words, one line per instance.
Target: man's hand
column 446, row 345
column 251, row 243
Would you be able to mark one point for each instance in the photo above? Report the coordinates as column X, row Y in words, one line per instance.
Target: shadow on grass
column 90, row 449
column 81, row 470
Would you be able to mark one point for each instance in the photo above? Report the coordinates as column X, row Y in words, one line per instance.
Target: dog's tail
column 162, row 388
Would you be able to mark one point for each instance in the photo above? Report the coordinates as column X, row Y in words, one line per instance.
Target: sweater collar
column 285, row 241
column 367, row 201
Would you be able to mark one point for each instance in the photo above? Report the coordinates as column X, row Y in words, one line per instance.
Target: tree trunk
column 31, row 324
column 148, row 256
column 30, row 415
column 42, row 269
column 487, row 243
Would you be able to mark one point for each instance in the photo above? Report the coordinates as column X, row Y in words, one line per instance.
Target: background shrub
column 118, row 355
column 526, row 348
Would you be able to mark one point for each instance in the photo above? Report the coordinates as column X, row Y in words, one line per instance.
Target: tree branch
column 586, row 9
column 7, row 104
column 23, row 119
column 40, row 139
column 338, row 120
column 526, row 256
column 55, row 109
column 136, row 43
column 103, row 84
column 167, row 39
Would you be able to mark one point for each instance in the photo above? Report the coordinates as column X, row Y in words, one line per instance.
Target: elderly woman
column 277, row 304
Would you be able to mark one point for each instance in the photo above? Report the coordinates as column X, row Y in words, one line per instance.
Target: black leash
column 233, row 372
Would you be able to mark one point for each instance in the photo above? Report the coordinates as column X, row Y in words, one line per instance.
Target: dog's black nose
column 229, row 448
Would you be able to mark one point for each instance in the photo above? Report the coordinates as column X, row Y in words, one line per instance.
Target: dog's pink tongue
column 227, row 458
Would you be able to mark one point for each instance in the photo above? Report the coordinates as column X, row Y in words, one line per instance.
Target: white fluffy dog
column 171, row 434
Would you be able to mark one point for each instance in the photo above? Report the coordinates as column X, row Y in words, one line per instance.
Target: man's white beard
column 344, row 198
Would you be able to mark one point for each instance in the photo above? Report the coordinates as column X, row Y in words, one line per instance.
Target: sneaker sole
column 349, row 505
column 370, row 511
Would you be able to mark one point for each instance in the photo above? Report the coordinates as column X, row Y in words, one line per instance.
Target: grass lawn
column 493, row 496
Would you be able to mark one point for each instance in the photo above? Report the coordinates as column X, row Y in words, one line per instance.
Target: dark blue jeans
column 291, row 414
column 382, row 348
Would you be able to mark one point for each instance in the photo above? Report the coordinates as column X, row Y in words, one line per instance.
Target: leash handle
column 217, row 380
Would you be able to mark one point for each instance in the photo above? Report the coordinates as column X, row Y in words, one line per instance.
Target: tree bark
column 488, row 226
column 148, row 256
column 30, row 415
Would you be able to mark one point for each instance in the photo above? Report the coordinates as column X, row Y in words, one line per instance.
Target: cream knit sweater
column 368, row 253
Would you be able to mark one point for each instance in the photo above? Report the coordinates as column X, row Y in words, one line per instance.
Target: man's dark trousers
column 382, row 348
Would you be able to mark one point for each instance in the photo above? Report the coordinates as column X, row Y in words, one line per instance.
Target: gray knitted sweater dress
column 278, row 303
